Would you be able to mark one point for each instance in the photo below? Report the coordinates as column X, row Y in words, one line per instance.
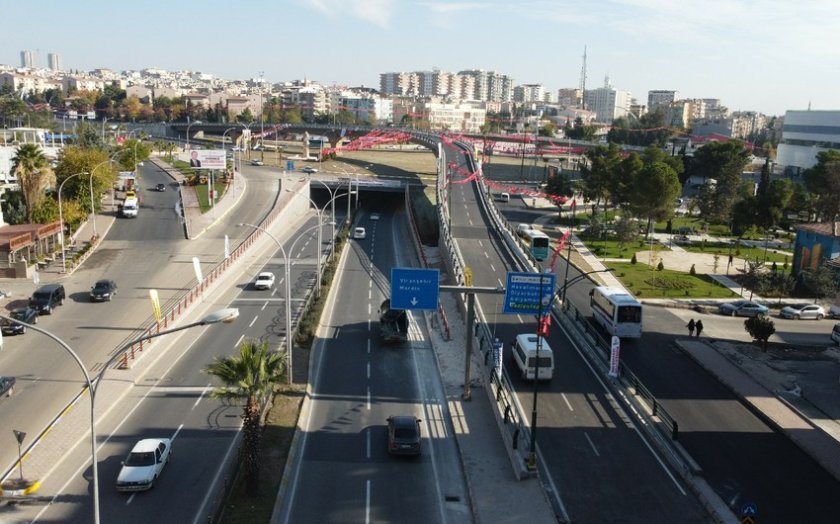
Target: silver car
column 743, row 308
column 803, row 311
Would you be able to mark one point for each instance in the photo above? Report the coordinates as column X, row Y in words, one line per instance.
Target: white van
column 129, row 207
column 504, row 197
column 525, row 355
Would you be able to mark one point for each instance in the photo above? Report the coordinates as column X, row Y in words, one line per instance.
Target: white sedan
column 144, row 464
column 807, row 311
column 265, row 280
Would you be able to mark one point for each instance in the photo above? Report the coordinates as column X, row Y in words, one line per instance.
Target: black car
column 46, row 298
column 103, row 290
column 404, row 435
column 24, row 314
column 160, row 187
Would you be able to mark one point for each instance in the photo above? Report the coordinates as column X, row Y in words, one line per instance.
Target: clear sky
column 768, row 56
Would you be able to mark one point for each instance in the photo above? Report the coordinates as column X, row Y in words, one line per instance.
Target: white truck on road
column 129, row 207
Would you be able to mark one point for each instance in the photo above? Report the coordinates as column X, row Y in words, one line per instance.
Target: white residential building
column 607, row 102
column 806, row 133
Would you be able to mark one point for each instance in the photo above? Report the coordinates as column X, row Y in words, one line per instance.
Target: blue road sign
column 290, row 165
column 522, row 294
column 413, row 288
column 750, row 509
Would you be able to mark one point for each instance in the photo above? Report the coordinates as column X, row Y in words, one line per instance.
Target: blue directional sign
column 413, row 288
column 290, row 165
column 522, row 294
column 749, row 509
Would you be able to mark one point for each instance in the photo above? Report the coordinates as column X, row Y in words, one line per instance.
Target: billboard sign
column 207, row 159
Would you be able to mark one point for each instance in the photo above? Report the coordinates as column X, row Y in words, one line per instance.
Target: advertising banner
column 207, row 158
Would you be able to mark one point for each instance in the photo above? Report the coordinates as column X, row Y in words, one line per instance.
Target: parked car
column 265, row 280
column 743, row 308
column 7, row 386
column 46, row 298
column 803, row 311
column 144, row 464
column 103, row 290
column 160, row 187
column 404, row 435
column 834, row 311
column 256, row 162
column 309, row 169
column 835, row 334
column 24, row 314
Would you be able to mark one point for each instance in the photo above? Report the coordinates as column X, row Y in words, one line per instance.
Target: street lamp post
column 188, row 131
column 320, row 212
column 287, row 277
column 61, row 215
column 104, row 119
column 223, row 315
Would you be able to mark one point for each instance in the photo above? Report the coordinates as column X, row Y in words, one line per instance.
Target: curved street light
column 320, row 212
column 226, row 315
column 61, row 214
column 188, row 131
column 287, row 277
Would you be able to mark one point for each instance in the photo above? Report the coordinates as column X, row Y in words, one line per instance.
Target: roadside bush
column 660, row 266
column 692, row 271
column 760, row 328
column 633, row 259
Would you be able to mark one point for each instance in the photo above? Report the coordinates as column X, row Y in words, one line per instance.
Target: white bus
column 617, row 311
column 537, row 243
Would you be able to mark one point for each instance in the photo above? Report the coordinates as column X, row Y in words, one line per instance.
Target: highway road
column 172, row 400
column 744, row 459
column 149, row 252
column 592, row 449
column 343, row 472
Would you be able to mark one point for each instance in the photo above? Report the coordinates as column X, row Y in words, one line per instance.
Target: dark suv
column 47, row 298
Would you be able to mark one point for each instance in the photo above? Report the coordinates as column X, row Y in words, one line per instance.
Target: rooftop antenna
column 583, row 81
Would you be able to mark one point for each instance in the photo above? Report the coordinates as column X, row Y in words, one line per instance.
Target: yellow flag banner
column 153, row 294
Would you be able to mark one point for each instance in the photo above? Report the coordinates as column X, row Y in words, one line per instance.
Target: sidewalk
column 496, row 494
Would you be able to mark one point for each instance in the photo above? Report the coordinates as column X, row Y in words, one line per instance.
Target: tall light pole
column 287, row 277
column 61, row 215
column 104, row 119
column 188, row 131
column 223, row 315
column 320, row 213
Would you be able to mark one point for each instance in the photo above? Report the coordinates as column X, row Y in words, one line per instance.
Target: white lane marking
column 486, row 255
column 252, row 322
column 200, row 397
column 368, row 398
column 128, row 501
column 367, row 503
column 175, row 435
column 501, row 284
column 265, row 305
column 585, row 434
column 492, row 268
column 568, row 404
column 480, row 243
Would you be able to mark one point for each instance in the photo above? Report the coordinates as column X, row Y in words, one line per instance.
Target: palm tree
column 33, row 173
column 250, row 377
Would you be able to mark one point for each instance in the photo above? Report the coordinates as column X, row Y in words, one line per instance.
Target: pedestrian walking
column 691, row 325
column 699, row 327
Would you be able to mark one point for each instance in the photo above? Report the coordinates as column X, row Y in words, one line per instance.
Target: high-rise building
column 806, row 133
column 608, row 103
column 569, row 97
column 54, row 61
column 26, row 59
column 529, row 93
column 660, row 98
column 490, row 86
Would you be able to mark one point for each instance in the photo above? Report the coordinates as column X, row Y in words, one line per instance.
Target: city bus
column 617, row 310
column 537, row 243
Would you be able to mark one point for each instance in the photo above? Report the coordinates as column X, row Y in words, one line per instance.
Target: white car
column 359, row 233
column 309, row 170
column 144, row 464
column 256, row 162
column 374, row 216
column 265, row 280
column 807, row 311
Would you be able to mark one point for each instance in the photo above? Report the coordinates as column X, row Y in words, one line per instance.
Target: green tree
column 33, row 173
column 14, row 207
column 760, row 328
column 823, row 181
column 88, row 136
column 75, row 159
column 560, row 186
column 655, row 189
column 819, row 283
column 249, row 377
column 723, row 162
column 621, row 184
column 45, row 212
column 599, row 172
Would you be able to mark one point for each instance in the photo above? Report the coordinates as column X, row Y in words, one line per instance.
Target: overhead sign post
column 413, row 288
column 529, row 293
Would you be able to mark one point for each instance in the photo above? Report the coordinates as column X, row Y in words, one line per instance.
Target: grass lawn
column 614, row 249
column 747, row 253
column 643, row 282
column 201, row 193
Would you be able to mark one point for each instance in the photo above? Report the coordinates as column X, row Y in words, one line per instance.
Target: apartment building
column 804, row 134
